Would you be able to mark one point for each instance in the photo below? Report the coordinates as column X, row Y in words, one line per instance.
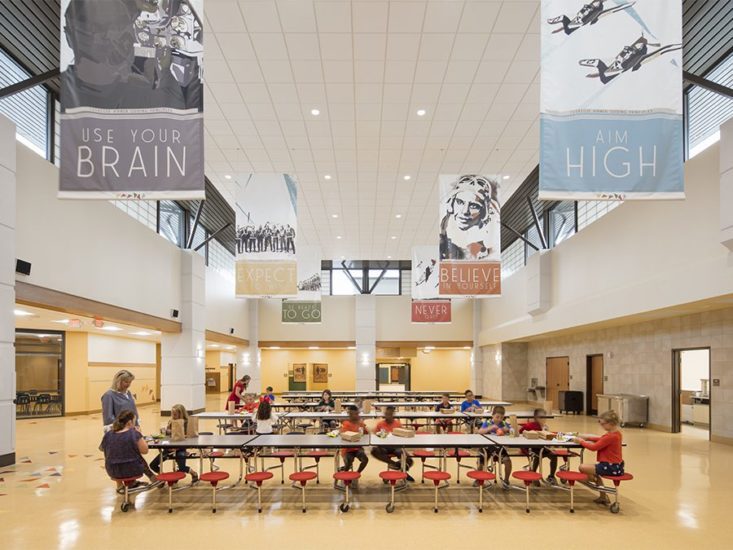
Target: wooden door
column 596, row 381
column 558, row 378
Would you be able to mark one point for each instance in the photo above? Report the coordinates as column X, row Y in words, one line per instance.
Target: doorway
column 594, row 382
column 39, row 373
column 393, row 376
column 691, row 404
column 558, row 378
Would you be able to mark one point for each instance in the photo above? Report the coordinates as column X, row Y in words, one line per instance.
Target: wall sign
column 299, row 311
column 431, row 311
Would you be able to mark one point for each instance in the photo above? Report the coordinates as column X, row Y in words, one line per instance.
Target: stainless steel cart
column 631, row 409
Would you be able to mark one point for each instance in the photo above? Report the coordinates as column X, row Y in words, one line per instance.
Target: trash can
column 631, row 409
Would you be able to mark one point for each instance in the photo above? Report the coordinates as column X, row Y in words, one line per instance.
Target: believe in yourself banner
column 267, row 222
column 611, row 100
column 132, row 122
column 470, row 236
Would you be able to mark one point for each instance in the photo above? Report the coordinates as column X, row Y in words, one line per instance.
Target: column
column 726, row 184
column 249, row 357
column 366, row 342
column 183, row 354
column 7, row 291
column 477, row 378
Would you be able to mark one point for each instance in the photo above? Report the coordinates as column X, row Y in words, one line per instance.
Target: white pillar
column 366, row 342
column 183, row 355
column 249, row 357
column 477, row 364
column 7, row 291
column 726, row 184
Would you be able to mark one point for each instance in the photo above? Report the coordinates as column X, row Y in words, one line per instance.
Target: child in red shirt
column 608, row 448
column 354, row 424
column 386, row 454
column 536, row 425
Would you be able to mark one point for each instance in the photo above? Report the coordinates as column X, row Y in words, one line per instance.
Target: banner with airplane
column 267, row 220
column 470, row 236
column 425, row 272
column 132, row 100
column 611, row 100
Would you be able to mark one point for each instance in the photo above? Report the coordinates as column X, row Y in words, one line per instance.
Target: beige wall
column 341, row 368
column 505, row 374
column 638, row 360
column 338, row 322
column 448, row 369
column 75, row 372
column 394, row 315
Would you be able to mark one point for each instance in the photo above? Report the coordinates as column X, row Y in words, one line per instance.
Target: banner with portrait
column 611, row 100
column 131, row 102
column 266, row 212
column 470, row 236
column 425, row 272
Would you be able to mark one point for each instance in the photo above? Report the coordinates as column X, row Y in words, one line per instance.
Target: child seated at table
column 264, row 418
column 497, row 425
column 470, row 403
column 269, row 395
column 538, row 424
column 123, row 447
column 386, row 454
column 178, row 412
column 443, row 423
column 354, row 424
column 609, row 453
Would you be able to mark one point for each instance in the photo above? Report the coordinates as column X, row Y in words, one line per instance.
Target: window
column 706, row 110
column 533, row 236
column 143, row 211
column 341, row 285
column 199, row 236
column 590, row 211
column 388, row 285
column 220, row 259
column 27, row 109
column 562, row 222
column 171, row 223
column 512, row 258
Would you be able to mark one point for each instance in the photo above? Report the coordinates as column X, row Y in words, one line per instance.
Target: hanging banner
column 431, row 311
column 611, row 100
column 470, row 236
column 425, row 275
column 309, row 273
column 266, row 212
column 299, row 311
column 131, row 100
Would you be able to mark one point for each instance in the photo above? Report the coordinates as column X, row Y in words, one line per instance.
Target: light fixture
column 351, row 347
column 505, row 177
column 214, row 345
column 421, row 112
column 389, row 257
column 274, row 347
column 338, row 236
column 227, row 177
column 111, row 328
column 406, row 177
column 313, row 347
column 393, row 237
column 315, row 112
column 142, row 333
column 62, row 321
column 231, row 347
column 22, row 313
column 327, row 177
column 431, row 348
column 466, row 347
column 334, row 215
column 398, row 216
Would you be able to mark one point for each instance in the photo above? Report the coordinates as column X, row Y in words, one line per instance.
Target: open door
column 558, row 378
column 691, row 403
column 594, row 383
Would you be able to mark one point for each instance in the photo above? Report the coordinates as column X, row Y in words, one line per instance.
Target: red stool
column 481, row 477
column 615, row 507
column 570, row 478
column 458, row 454
column 281, row 455
column 317, row 456
column 171, row 478
column 423, row 455
column 126, row 482
column 436, row 477
column 259, row 478
column 303, row 478
column 214, row 478
column 528, row 477
column 346, row 477
column 392, row 476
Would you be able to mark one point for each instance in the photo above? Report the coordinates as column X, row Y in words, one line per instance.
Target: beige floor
column 681, row 498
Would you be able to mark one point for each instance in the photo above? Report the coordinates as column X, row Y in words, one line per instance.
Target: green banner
column 297, row 311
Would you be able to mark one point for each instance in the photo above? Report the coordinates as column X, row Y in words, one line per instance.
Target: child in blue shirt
column 470, row 404
column 497, row 425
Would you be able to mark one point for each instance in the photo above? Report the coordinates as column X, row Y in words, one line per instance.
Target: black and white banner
column 131, row 99
column 309, row 273
column 425, row 272
column 611, row 100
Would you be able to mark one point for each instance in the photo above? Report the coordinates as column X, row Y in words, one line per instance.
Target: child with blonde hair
column 178, row 412
column 609, row 453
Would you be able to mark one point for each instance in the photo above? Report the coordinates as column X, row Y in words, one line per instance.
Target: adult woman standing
column 240, row 387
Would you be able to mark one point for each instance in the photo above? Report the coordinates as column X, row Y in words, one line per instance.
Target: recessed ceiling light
column 393, row 237
column 406, row 177
column 22, row 313
column 506, row 177
column 389, row 257
column 327, row 177
column 334, row 215
column 111, row 328
column 62, row 321
column 338, row 236
column 398, row 216
column 315, row 112
column 142, row 333
column 227, row 177
column 421, row 112
column 343, row 257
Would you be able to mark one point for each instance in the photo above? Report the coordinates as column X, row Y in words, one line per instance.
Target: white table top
column 518, row 414
column 305, row 441
column 521, row 441
column 441, row 441
column 204, row 441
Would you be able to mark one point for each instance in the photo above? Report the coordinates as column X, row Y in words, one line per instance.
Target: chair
column 392, row 477
column 481, row 477
column 43, row 400
column 258, row 478
column 570, row 478
column 126, row 482
column 171, row 478
column 616, row 507
column 23, row 400
column 214, row 478
column 436, row 477
column 528, row 477
column 303, row 478
column 56, row 402
column 347, row 477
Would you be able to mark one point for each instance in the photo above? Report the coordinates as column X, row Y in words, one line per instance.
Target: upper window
column 341, row 284
column 172, row 220
column 388, row 285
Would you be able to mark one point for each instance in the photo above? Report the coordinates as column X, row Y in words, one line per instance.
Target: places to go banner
column 431, row 311
column 425, row 272
column 611, row 100
column 306, row 308
column 132, row 100
column 267, row 222
column 470, row 236
column 300, row 311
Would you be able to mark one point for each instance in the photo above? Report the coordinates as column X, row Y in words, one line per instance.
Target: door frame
column 547, row 383
column 62, row 367
column 589, row 380
column 677, row 388
column 405, row 363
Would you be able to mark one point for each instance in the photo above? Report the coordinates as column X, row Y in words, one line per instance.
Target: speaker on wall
column 22, row 267
column 231, row 331
column 174, row 313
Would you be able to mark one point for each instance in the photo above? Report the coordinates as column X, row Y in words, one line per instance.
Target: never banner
column 266, row 213
column 131, row 100
column 470, row 236
column 431, row 311
column 611, row 100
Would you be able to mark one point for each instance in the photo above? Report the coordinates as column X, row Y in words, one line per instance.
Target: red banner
column 431, row 311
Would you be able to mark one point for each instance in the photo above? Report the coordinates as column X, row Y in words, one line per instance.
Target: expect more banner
column 131, row 100
column 470, row 236
column 611, row 100
column 267, row 222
